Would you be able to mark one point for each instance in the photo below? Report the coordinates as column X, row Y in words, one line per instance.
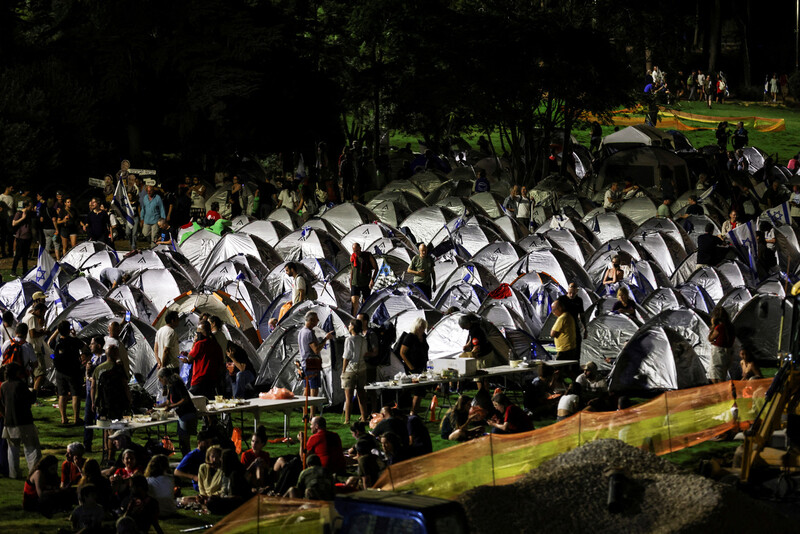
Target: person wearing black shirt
column 477, row 345
column 573, row 305
column 181, row 212
column 392, row 422
column 710, row 248
column 97, row 225
column 69, row 373
column 166, row 234
column 178, row 398
column 242, row 373
column 694, row 208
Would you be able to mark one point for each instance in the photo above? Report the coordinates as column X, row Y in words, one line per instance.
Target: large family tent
column 652, row 168
column 636, row 136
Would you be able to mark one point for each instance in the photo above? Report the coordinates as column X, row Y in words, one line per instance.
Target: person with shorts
column 310, row 359
column 721, row 337
column 69, row 372
column 362, row 272
column 34, row 318
column 354, row 372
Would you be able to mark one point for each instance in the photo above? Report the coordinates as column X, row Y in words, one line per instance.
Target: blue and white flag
column 45, row 271
column 707, row 192
column 743, row 238
column 123, row 204
column 779, row 214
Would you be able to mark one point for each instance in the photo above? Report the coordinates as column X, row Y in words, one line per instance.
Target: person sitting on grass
column 72, row 465
column 142, row 508
column 750, row 369
column 369, row 467
column 91, row 475
column 89, row 514
column 190, row 464
column 325, row 444
column 235, row 487
column 514, row 419
column 314, row 482
column 41, row 492
column 256, row 460
column 359, row 432
column 393, row 449
column 569, row 403
column 419, row 439
column 119, row 480
column 455, row 419
column 161, row 484
column 209, row 476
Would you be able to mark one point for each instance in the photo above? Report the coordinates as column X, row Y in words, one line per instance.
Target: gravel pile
column 569, row 494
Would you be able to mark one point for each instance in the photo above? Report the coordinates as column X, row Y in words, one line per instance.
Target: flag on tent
column 707, row 192
column 300, row 174
column 779, row 214
column 385, row 277
column 381, row 315
column 45, row 271
column 123, row 204
column 743, row 238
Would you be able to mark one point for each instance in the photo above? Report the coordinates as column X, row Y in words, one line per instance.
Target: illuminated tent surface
column 217, row 303
column 425, row 223
column 77, row 255
column 662, row 249
column 570, row 242
column 241, row 244
column 570, row 223
column 278, row 282
column 221, row 195
column 695, row 226
column 404, row 185
column 279, row 352
column 404, row 321
column 498, row 257
column 556, row 263
column 597, row 265
column 604, row 305
column 609, row 225
column 446, row 339
column 89, row 309
column 391, row 301
column 310, row 243
column 735, row 299
column 198, row 246
column 237, row 223
column 692, row 327
column 239, row 267
column 463, row 296
column 140, row 260
column 462, row 206
column 161, row 285
column 269, row 231
column 368, row 233
column 465, row 240
column 471, row 273
column 401, row 198
column 605, row 337
column 135, row 301
column 83, row 287
column 639, row 208
column 392, row 213
column 16, row 295
column 94, row 264
column 451, row 188
column 288, row 218
column 656, row 358
column 708, row 279
column 138, row 338
column 663, row 298
column 490, row 202
column 758, row 326
column 427, row 181
column 345, row 217
column 651, row 168
column 524, row 318
column 657, row 225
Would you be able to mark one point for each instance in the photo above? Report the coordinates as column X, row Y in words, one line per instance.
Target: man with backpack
column 19, row 351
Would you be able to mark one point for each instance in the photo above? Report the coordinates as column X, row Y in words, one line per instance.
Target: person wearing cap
column 39, row 297
column 121, row 440
column 591, row 382
column 34, row 318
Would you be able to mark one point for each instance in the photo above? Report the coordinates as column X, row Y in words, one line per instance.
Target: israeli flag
column 122, row 203
column 385, row 277
column 707, row 192
column 45, row 271
column 743, row 238
column 779, row 214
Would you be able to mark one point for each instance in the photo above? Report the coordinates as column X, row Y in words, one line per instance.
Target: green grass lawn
column 785, row 144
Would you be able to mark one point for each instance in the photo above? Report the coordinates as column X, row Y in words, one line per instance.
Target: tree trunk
column 746, row 43
column 714, row 36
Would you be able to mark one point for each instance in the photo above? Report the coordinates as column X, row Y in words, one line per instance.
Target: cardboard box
column 464, row 366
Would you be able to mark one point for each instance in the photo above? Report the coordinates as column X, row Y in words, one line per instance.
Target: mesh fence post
column 669, row 420
column 491, row 457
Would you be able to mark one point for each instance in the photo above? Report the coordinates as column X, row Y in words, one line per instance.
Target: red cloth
column 250, row 455
column 516, row 419
column 722, row 339
column 328, row 446
column 354, row 259
column 503, row 291
column 206, row 358
column 213, row 216
column 30, row 498
column 70, row 473
column 124, row 474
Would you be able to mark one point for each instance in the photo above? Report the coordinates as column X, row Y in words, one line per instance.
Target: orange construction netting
column 678, row 120
column 668, row 423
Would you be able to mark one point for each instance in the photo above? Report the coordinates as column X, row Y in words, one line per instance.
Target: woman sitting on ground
column 750, row 369
column 90, row 474
column 235, row 487
column 514, row 419
column 161, row 484
column 624, row 304
column 614, row 272
column 41, row 492
column 569, row 403
column 209, row 476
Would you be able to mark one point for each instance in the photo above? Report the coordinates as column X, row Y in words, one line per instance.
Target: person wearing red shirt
column 207, row 361
column 256, row 460
column 326, row 445
column 71, row 467
column 514, row 419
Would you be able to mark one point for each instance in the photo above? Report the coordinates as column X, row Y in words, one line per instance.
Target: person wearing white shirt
column 28, row 354
column 7, row 327
column 354, row 370
column 166, row 347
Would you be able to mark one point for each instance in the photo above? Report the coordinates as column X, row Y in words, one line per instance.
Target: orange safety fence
column 670, row 422
column 678, row 120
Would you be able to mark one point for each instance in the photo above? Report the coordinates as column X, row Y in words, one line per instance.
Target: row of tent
column 506, row 271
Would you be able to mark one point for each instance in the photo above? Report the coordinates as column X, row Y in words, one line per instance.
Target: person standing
column 97, row 225
column 23, row 234
column 354, row 372
column 69, row 379
column 573, row 304
column 722, row 135
column 299, row 283
column 414, row 354
column 178, row 399
column 34, row 319
column 721, row 336
column 152, row 209
column 563, row 333
column 166, row 344
column 773, row 87
column 363, row 269
column 524, row 208
column 68, row 225
column 207, row 361
column 511, row 203
column 310, row 349
column 422, row 267
column 47, row 223
column 19, row 430
column 134, row 196
column 740, row 136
